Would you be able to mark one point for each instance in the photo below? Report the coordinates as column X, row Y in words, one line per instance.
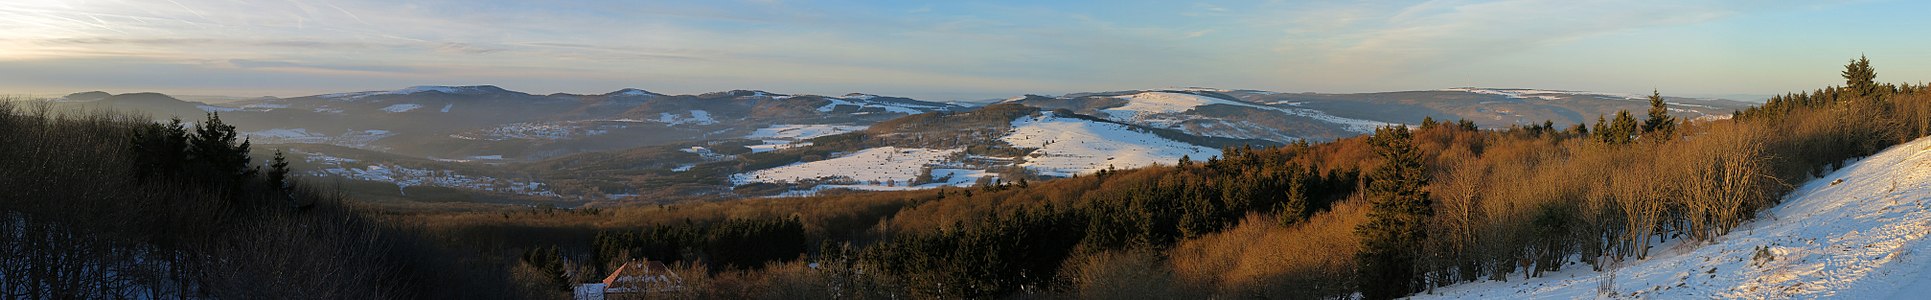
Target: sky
column 952, row 50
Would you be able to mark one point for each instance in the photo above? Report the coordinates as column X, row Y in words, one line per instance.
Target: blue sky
column 951, row 50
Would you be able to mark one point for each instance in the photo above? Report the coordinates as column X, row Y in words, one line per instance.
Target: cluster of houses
column 636, row 279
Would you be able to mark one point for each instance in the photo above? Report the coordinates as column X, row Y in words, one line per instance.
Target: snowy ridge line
column 1142, row 106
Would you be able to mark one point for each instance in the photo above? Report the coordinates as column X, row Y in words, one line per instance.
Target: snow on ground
column 351, row 138
column 561, row 130
column 882, row 166
column 1070, row 146
column 863, row 101
column 404, row 177
column 1863, row 237
column 698, row 117
column 1158, row 108
column 785, row 136
column 1538, row 94
column 446, row 107
column 212, row 108
column 401, row 107
column 264, row 106
column 797, row 132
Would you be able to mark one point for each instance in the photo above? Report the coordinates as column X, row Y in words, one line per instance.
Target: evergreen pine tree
column 1860, row 79
column 213, row 151
column 160, row 150
column 278, row 173
column 1294, row 207
column 1621, row 130
column 1602, row 129
column 1398, row 208
column 1659, row 123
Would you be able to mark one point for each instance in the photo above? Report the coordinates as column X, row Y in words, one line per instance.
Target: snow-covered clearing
column 402, row 107
column 788, row 136
column 1863, row 237
column 1070, row 146
column 796, row 132
column 887, row 166
column 698, row 117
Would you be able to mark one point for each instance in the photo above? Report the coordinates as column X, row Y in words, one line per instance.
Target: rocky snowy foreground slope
column 1858, row 233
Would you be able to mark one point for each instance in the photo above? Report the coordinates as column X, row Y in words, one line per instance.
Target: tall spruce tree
column 1398, row 209
column 1860, row 79
column 215, row 155
column 160, row 150
column 1621, row 130
column 1659, row 123
column 278, row 174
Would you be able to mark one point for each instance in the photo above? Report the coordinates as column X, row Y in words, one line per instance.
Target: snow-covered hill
column 1068, row 146
column 1858, row 233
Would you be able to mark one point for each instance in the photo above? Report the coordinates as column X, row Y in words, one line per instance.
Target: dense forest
column 103, row 205
column 110, row 206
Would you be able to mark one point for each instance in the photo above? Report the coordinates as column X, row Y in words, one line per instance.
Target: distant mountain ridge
column 631, row 142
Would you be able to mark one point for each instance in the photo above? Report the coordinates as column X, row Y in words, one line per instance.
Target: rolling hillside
column 1857, row 233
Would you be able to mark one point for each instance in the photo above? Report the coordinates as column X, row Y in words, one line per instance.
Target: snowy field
column 789, row 135
column 697, row 117
column 1861, row 238
column 889, row 166
column 1070, row 146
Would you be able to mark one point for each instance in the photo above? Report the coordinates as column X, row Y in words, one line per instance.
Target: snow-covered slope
column 784, row 136
column 1070, row 146
column 887, row 166
column 1863, row 237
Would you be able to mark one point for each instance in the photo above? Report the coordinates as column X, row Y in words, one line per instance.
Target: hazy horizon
column 951, row 51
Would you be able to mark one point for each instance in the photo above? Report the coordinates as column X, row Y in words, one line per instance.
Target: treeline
column 112, row 206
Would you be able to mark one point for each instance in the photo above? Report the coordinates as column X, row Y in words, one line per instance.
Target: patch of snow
column 799, row 132
column 352, row 138
column 697, row 117
column 404, row 177
column 264, row 106
column 1068, row 146
column 683, row 167
column 1858, row 233
column 446, row 107
column 557, row 130
column 401, row 107
column 863, row 101
column 1539, row 94
column 212, row 108
column 883, row 166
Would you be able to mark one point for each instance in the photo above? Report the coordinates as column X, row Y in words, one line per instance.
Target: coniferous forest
column 105, row 205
